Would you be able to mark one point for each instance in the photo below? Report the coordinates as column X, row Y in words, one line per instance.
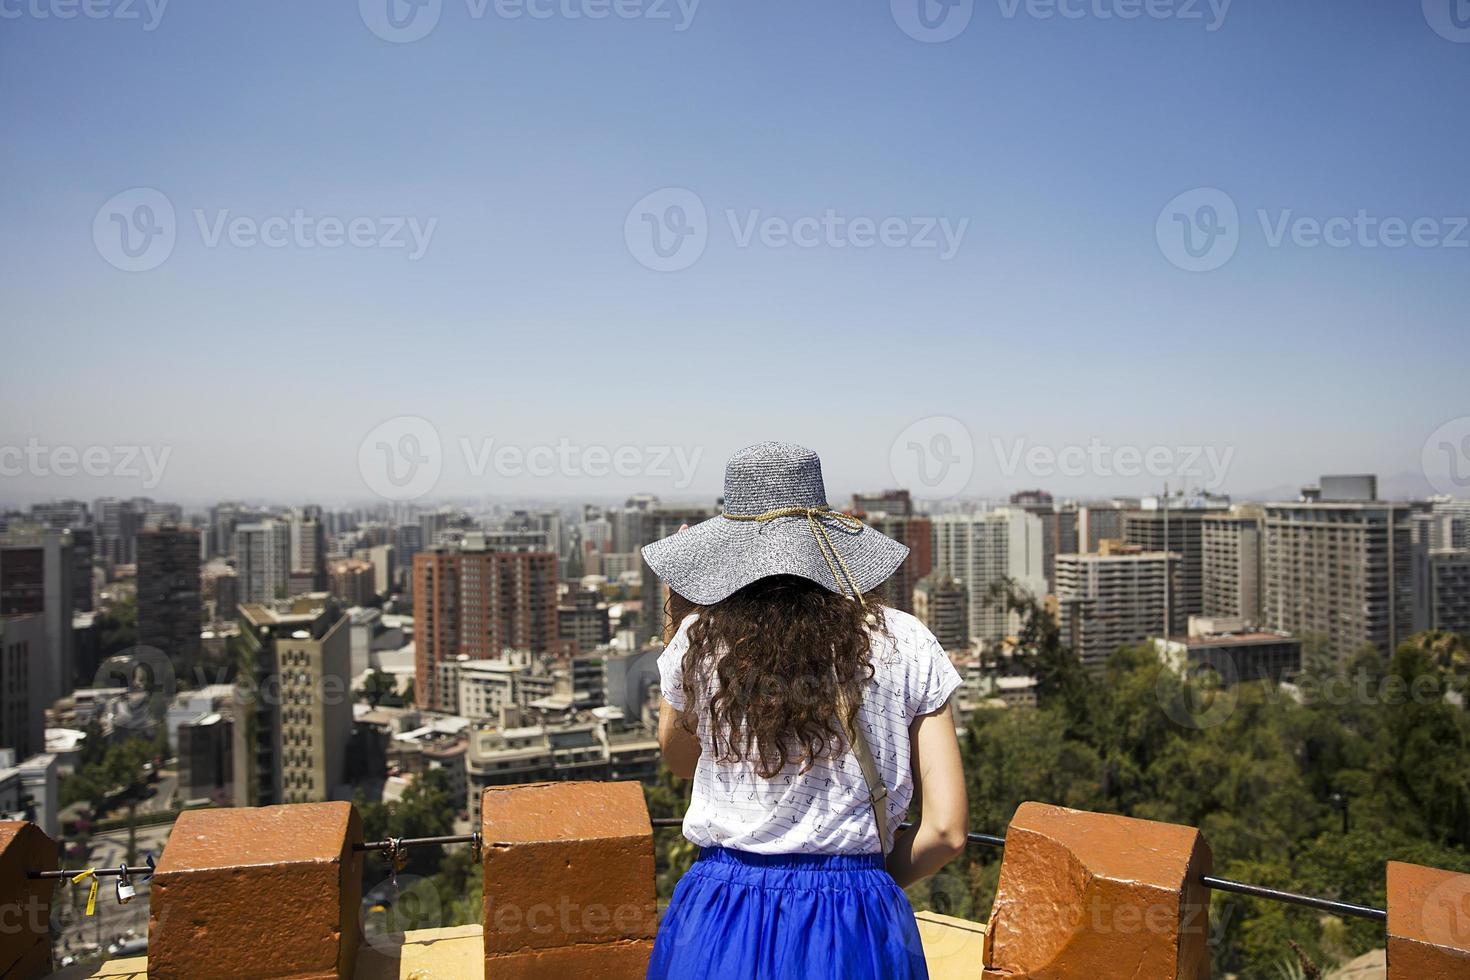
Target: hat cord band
column 835, row 564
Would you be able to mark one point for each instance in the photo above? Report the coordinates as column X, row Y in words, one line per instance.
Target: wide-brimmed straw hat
column 776, row 522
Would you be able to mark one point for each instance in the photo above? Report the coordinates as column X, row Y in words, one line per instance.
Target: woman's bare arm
column 679, row 746
column 939, row 783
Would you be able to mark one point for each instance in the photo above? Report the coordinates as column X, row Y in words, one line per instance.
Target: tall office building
column 263, row 560
column 660, row 522
column 170, row 605
column 1450, row 520
column 293, row 719
column 1344, row 567
column 583, row 620
column 309, row 547
column 982, row 550
column 1099, row 522
column 1449, row 590
column 894, row 503
column 918, row 534
column 23, row 678
column 118, row 523
column 1164, row 525
column 37, row 571
column 1058, row 527
column 942, row 604
column 476, row 601
column 1109, row 600
column 1231, row 569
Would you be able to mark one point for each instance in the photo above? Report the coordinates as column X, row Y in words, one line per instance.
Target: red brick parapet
column 1090, row 895
column 25, row 903
column 270, row 891
column 1428, row 923
column 569, row 881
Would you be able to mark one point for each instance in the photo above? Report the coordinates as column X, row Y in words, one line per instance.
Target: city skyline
column 989, row 229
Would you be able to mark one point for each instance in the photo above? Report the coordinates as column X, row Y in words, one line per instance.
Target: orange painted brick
column 566, row 866
column 258, row 892
column 1081, row 893
column 606, row 961
column 25, row 905
column 1428, row 923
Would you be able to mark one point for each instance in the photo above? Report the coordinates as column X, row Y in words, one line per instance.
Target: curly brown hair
column 767, row 664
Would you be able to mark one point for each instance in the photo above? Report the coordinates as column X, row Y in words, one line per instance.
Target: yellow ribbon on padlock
column 91, row 894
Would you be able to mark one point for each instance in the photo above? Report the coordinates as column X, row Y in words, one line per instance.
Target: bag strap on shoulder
column 877, row 792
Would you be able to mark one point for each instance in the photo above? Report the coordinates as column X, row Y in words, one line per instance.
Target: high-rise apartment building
column 263, row 560
column 1099, row 522
column 1230, row 575
column 894, row 503
column 918, row 534
column 170, row 605
column 23, row 678
column 1110, row 600
column 942, row 604
column 1346, row 571
column 353, row 581
column 1164, row 525
column 293, row 717
column 37, row 572
column 983, row 550
column 309, row 548
column 583, row 620
column 475, row 601
column 118, row 523
column 1449, row 590
column 660, row 522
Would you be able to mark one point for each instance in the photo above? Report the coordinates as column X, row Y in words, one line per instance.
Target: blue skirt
column 742, row 916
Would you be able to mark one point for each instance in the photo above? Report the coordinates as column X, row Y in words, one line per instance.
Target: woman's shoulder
column 909, row 637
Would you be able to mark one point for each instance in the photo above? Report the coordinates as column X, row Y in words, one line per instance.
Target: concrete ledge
column 1428, row 923
column 1090, row 895
column 258, row 891
column 569, row 881
column 25, row 904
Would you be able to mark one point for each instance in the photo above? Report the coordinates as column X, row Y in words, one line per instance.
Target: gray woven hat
column 715, row 558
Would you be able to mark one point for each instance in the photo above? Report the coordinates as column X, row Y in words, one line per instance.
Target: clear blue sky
column 528, row 319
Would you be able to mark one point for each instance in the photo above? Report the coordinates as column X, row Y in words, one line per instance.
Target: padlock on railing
column 126, row 891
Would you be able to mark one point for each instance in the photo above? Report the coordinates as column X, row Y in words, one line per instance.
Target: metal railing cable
column 1212, row 882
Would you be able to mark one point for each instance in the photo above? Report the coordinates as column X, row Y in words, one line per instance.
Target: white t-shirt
column 824, row 810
